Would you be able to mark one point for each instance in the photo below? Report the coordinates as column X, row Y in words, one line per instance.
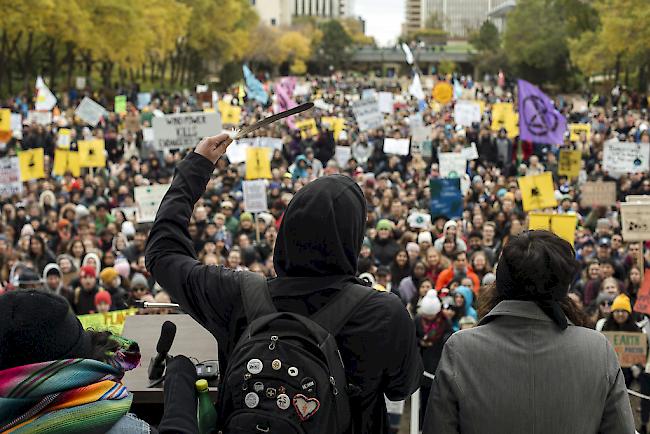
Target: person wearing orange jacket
column 459, row 269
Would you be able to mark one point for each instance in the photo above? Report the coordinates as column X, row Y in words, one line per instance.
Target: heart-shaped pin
column 305, row 407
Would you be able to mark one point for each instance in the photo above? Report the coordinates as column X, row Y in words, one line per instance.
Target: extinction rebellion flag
column 539, row 120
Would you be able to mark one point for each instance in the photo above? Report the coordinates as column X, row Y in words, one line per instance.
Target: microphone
column 150, row 304
column 157, row 363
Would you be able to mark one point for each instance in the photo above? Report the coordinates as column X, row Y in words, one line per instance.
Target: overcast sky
column 383, row 18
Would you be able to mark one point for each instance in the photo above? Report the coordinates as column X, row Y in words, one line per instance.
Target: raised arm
column 205, row 292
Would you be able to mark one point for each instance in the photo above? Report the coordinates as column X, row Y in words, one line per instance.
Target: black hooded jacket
column 315, row 253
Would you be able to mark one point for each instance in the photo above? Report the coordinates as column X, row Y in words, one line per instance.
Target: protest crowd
column 446, row 164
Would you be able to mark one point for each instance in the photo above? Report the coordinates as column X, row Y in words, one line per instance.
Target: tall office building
column 274, row 12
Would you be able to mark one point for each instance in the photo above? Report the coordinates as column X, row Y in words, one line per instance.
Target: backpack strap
column 336, row 313
column 255, row 296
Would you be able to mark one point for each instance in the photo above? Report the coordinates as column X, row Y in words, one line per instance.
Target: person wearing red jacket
column 459, row 269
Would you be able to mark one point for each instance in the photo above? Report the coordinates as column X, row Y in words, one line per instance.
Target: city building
column 274, row 12
column 281, row 12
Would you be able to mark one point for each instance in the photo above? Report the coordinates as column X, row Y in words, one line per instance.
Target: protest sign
column 367, row 114
column 258, row 163
column 147, row 200
column 443, row 92
column 66, row 161
column 147, row 135
column 539, row 120
column 108, row 321
column 230, row 114
column 144, row 98
column 45, row 99
column 90, row 112
column 337, row 125
column 301, row 89
column 322, row 105
column 630, row 347
column 569, row 163
column 92, row 153
column 5, row 119
column 576, row 129
column 120, row 104
column 80, row 82
column 236, row 152
column 452, row 164
column 32, row 164
column 642, row 303
column 598, row 194
column 396, row 146
column 642, row 198
column 470, row 152
column 504, row 116
column 342, row 155
column 419, row 220
column 635, row 221
column 255, row 196
column 446, row 198
column 537, row 191
column 184, row 130
column 10, row 183
column 16, row 122
column 64, row 138
column 421, row 137
column 385, row 101
column 368, row 94
column 562, row 225
column 39, row 118
column 467, row 112
column 307, row 128
column 625, row 157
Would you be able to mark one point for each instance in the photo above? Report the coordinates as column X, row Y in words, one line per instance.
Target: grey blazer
column 517, row 372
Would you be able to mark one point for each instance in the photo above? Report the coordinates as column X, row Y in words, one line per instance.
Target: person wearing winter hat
column 112, row 282
column 432, row 330
column 123, row 268
column 83, row 300
column 450, row 232
column 40, row 334
column 53, row 280
column 530, row 298
column 384, row 246
column 92, row 259
column 413, row 251
column 139, row 288
column 103, row 302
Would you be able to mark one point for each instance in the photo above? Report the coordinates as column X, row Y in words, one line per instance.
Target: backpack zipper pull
column 274, row 340
column 335, row 391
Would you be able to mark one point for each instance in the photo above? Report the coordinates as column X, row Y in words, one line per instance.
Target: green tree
column 486, row 38
column 334, row 49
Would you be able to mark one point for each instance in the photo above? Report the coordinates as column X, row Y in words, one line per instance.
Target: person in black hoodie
column 315, row 253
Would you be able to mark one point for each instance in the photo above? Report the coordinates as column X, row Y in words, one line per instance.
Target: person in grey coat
column 529, row 367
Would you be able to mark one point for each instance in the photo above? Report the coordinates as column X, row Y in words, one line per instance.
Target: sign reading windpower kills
column 184, row 130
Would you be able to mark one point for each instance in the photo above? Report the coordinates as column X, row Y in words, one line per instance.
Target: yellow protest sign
column 32, row 164
column 562, row 225
column 443, row 92
column 576, row 129
column 110, row 321
column 537, row 191
column 258, row 163
column 336, row 124
column 504, row 116
column 5, row 119
column 91, row 153
column 230, row 114
column 307, row 128
column 481, row 104
column 569, row 164
column 66, row 161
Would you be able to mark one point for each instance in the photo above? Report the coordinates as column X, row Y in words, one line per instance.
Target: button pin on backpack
column 292, row 371
column 251, row 400
column 276, row 364
column 283, row 401
column 305, row 407
column 254, row 366
column 258, row 386
column 271, row 392
column 307, row 384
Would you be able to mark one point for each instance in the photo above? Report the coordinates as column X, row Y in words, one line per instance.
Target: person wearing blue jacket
column 463, row 297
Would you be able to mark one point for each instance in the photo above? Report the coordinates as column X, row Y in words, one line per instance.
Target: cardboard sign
column 90, row 112
column 569, row 163
column 625, row 157
column 452, row 164
column 109, row 321
column 443, row 92
column 66, row 161
column 537, row 191
column 120, row 104
column 597, row 194
column 10, row 183
column 396, row 146
column 32, row 164
column 258, row 163
column 642, row 303
column 446, row 198
column 342, row 155
column 92, row 153
column 562, row 225
column 147, row 199
column 635, row 221
column 630, row 347
column 467, row 112
column 385, row 101
column 255, row 199
column 576, row 129
column 504, row 116
column 367, row 114
column 184, row 130
column 307, row 128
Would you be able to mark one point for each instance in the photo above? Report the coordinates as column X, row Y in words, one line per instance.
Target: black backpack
column 285, row 375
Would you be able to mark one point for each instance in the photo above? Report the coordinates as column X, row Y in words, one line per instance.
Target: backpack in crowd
column 286, row 374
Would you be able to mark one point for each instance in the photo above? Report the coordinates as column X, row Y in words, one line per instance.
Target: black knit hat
column 38, row 327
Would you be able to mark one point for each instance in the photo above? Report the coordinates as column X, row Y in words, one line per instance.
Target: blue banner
column 446, row 198
column 254, row 88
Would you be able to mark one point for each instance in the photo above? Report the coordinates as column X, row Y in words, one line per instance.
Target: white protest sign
column 385, row 101
column 415, row 120
column 470, row 152
column 39, row 118
column 303, row 89
column 452, row 164
column 635, row 221
column 466, row 113
column 421, row 137
column 147, row 200
column 236, row 152
column 10, row 177
column 45, row 99
column 367, row 114
column 147, row 135
column 64, row 138
column 342, row 155
column 368, row 94
column 396, row 146
column 80, row 83
column 419, row 220
column 625, row 157
column 16, row 122
column 264, row 142
column 184, row 130
column 322, row 105
column 255, row 195
column 89, row 111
